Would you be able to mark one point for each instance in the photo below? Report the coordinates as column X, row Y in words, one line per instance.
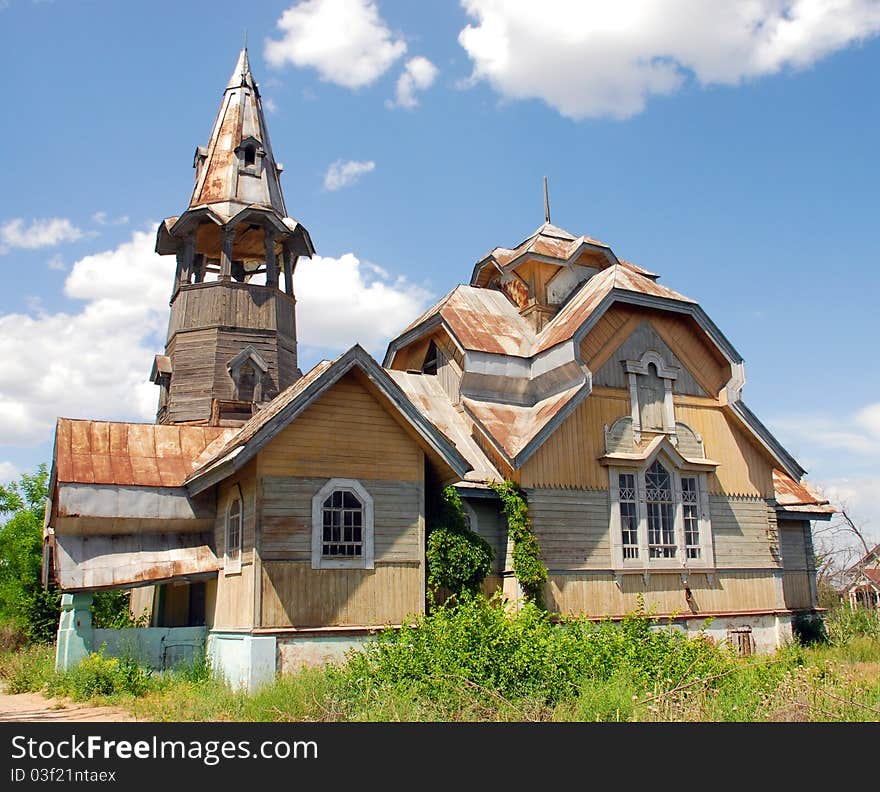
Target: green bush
column 458, row 559
column 28, row 669
column 476, row 649
column 98, row 675
column 844, row 624
column 530, row 570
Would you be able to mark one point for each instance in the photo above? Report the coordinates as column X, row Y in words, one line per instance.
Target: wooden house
column 288, row 513
column 863, row 589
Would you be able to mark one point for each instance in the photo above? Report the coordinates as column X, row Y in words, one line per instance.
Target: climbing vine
column 528, row 567
column 458, row 558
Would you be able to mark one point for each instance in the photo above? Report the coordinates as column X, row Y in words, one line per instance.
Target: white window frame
column 232, row 564
column 319, row 561
column 643, row 562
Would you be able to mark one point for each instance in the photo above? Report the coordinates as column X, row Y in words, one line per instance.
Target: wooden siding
column 797, row 590
column 598, row 594
column 682, row 335
column 345, row 433
column 286, row 518
column 246, row 484
column 743, row 532
column 569, row 458
column 613, row 375
column 233, row 600
column 795, row 543
column 572, row 527
column 295, row 595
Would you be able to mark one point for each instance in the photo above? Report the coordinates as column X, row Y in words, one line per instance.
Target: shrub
column 530, row 570
column 458, row 559
column 98, row 675
column 27, row 670
column 844, row 624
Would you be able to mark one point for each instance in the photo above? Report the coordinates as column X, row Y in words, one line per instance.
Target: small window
column 233, row 536
column 250, row 155
column 431, row 361
column 741, row 641
column 247, row 381
column 661, row 528
column 690, row 507
column 629, row 519
column 342, row 526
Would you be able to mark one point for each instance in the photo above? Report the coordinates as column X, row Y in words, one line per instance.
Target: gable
column 705, row 365
column 345, row 433
column 642, row 339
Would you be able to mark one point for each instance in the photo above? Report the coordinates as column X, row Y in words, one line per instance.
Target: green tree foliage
column 458, row 558
column 23, row 600
column 530, row 570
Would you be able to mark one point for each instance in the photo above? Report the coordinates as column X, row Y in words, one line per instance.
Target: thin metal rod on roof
column 546, row 203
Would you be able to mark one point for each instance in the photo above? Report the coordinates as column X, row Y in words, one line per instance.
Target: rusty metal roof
column 426, row 393
column 129, row 454
column 512, row 426
column 797, row 496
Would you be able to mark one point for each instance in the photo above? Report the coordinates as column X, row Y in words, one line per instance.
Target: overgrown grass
column 479, row 662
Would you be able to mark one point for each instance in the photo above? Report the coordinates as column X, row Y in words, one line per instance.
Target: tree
column 838, row 546
column 23, row 600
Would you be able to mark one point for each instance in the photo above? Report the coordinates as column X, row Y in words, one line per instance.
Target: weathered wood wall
column 598, row 593
column 680, row 333
column 287, row 518
column 234, row 596
column 795, row 542
column 295, row 595
column 344, row 434
column 569, row 458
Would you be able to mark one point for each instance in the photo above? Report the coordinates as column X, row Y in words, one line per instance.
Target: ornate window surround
column 364, row 561
column 667, row 373
column 644, row 563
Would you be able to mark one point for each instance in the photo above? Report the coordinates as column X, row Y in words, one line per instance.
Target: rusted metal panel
column 797, row 496
column 103, row 452
column 88, row 563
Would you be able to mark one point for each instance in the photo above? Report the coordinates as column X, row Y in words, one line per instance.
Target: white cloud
column 270, row 105
column 345, row 41
column 94, row 362
column 341, row 301
column 40, row 233
column 418, row 75
column 8, row 471
column 56, row 262
column 857, row 434
column 343, row 173
column 101, row 218
column 591, row 58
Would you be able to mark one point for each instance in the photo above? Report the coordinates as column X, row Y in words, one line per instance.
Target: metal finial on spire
column 546, row 202
column 245, row 38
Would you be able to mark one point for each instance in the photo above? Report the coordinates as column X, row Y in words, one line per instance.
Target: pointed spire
column 237, row 168
column 241, row 75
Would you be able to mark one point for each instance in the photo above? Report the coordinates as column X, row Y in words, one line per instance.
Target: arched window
column 660, row 518
column 658, row 500
column 342, row 526
column 342, row 523
column 232, row 550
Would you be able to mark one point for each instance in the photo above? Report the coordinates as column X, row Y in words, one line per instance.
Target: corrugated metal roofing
column 790, row 493
column 426, row 393
column 129, row 454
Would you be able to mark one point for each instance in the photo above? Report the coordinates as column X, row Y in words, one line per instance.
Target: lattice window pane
column 342, row 522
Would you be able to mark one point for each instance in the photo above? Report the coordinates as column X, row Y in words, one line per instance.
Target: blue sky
column 733, row 153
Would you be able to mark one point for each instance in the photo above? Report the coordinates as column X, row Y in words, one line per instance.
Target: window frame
column 232, row 564
column 364, row 561
column 643, row 562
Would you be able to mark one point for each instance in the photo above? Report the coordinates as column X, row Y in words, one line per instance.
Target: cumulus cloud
column 590, row 58
column 47, row 232
column 857, row 434
column 418, row 75
column 102, row 218
column 364, row 304
column 345, row 41
column 8, row 471
column 343, row 173
column 94, row 361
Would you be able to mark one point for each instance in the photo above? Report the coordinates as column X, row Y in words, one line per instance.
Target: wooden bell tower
column 231, row 341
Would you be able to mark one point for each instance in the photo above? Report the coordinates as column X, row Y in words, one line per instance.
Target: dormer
column 250, row 153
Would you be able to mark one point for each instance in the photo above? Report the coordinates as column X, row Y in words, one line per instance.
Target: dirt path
column 34, row 707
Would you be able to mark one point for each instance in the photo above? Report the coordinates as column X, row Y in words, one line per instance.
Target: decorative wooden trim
column 366, row 561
